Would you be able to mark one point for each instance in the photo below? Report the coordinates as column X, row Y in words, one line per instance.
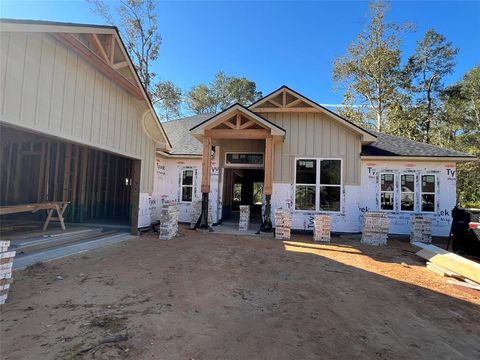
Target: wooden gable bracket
column 98, row 47
column 283, row 102
column 99, row 61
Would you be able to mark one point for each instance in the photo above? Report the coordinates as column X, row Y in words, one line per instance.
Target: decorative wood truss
column 287, row 100
column 235, row 123
column 283, row 101
column 238, row 127
column 105, row 53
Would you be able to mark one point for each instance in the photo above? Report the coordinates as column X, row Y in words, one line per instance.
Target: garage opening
column 98, row 185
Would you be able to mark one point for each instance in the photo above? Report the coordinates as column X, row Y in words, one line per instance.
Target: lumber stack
column 375, row 228
column 283, row 224
column 421, row 229
column 244, row 220
column 322, row 228
column 6, row 262
column 168, row 221
column 461, row 271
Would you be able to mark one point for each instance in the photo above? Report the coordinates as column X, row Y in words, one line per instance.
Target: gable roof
column 367, row 136
column 275, row 129
column 386, row 146
column 395, row 146
column 53, row 27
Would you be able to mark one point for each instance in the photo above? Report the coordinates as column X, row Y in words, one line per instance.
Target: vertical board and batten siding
column 48, row 88
column 314, row 135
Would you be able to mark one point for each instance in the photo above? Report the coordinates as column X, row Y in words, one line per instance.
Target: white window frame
column 243, row 166
column 431, row 193
column 317, row 185
column 182, row 185
column 401, row 192
column 394, row 191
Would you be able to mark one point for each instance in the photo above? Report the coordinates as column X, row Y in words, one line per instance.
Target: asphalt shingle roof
column 178, row 132
column 389, row 145
column 183, row 143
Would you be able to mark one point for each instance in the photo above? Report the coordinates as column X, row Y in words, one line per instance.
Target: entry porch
column 237, row 131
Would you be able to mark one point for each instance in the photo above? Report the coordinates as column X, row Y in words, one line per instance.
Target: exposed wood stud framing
column 50, row 170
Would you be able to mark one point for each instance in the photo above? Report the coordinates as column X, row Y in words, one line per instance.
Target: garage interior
column 36, row 169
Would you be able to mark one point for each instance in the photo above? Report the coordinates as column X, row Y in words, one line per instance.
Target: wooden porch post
column 206, row 164
column 267, row 183
column 206, row 174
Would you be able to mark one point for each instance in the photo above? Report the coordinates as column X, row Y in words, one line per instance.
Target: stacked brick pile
column 244, row 220
column 168, row 221
column 421, row 229
column 210, row 214
column 6, row 262
column 283, row 224
column 322, row 228
column 375, row 228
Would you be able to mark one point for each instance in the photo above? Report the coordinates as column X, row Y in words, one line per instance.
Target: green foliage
column 168, row 100
column 354, row 113
column 370, row 71
column 413, row 102
column 139, row 30
column 200, row 100
column 433, row 59
column 461, row 131
column 223, row 92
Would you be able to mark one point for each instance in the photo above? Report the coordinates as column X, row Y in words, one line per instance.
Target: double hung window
column 387, row 191
column 187, row 185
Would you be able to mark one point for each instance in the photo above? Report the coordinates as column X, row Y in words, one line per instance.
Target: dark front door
column 242, row 187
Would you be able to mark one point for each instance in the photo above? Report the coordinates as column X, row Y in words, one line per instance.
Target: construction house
column 286, row 151
column 80, row 140
column 78, row 132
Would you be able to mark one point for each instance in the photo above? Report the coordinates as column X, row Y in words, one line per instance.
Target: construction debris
column 450, row 265
column 6, row 263
column 283, row 224
column 322, row 228
column 421, row 229
column 244, row 220
column 168, row 221
column 375, row 228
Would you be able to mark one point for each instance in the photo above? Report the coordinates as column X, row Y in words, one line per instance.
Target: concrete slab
column 21, row 262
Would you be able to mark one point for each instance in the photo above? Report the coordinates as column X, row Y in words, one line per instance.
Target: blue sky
column 274, row 43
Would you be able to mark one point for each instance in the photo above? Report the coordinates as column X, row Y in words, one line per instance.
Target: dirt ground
column 210, row 296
